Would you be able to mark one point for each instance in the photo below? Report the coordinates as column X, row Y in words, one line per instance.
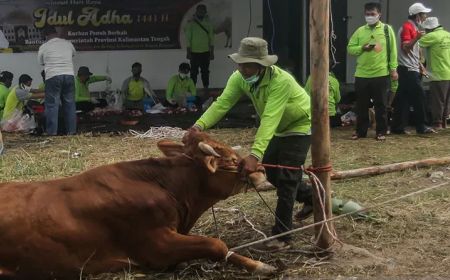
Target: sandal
column 355, row 137
column 427, row 130
column 380, row 137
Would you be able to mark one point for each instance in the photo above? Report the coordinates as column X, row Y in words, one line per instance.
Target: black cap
column 6, row 75
column 84, row 71
column 24, row 79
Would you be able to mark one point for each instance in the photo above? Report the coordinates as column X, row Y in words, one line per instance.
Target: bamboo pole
column 320, row 148
column 382, row 169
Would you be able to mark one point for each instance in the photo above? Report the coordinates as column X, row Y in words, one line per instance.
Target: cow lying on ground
column 137, row 212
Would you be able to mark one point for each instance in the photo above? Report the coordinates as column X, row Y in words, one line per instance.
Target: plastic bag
column 19, row 122
column 348, row 118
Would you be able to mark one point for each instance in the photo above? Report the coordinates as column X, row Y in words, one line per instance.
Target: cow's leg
column 181, row 248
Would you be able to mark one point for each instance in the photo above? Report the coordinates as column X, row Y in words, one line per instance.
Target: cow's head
column 219, row 160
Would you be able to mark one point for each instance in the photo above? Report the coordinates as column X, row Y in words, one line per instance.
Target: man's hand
column 368, row 48
column 189, row 132
column 108, row 79
column 248, row 165
column 394, row 75
column 211, row 53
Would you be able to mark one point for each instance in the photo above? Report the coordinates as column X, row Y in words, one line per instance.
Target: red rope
column 315, row 170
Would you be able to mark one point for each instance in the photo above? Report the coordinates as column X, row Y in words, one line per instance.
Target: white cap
column 417, row 8
column 430, row 23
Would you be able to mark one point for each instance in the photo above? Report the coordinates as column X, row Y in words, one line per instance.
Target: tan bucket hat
column 254, row 50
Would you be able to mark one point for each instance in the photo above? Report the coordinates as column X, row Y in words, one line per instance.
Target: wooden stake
column 320, row 148
column 377, row 170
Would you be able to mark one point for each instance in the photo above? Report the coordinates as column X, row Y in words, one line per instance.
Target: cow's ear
column 170, row 148
column 211, row 163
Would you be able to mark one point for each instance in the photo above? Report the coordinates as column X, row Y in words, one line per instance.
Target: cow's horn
column 207, row 149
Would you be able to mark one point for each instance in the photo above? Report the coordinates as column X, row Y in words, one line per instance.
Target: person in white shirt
column 56, row 55
column 4, row 44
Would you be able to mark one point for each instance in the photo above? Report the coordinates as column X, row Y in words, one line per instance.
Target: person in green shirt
column 283, row 136
column 6, row 79
column 136, row 88
column 180, row 87
column 437, row 43
column 83, row 99
column 200, row 44
column 19, row 95
column 334, row 96
column 374, row 65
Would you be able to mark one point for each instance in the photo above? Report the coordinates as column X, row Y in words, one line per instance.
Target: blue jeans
column 60, row 90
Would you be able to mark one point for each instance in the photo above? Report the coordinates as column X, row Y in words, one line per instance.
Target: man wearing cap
column 83, row 97
column 283, row 136
column 410, row 91
column 374, row 46
column 6, row 79
column 437, row 42
column 56, row 55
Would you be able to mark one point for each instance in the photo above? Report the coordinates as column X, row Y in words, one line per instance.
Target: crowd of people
column 283, row 106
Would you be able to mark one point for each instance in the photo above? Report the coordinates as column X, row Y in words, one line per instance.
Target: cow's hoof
column 263, row 268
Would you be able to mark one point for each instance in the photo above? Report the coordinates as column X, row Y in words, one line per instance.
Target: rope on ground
column 158, row 133
column 340, row 216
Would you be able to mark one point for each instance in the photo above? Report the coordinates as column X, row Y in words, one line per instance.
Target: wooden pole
column 320, row 148
column 382, row 169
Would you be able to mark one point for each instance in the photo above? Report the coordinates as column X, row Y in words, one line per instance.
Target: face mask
column 183, row 76
column 371, row 20
column 25, row 87
column 251, row 80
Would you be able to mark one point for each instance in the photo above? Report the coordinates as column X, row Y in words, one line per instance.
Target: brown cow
column 137, row 212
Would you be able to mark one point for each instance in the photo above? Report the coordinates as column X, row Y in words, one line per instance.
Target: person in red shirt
column 410, row 91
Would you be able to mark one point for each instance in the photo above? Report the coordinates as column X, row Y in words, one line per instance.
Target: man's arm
column 170, row 89
column 124, row 89
column 192, row 88
column 147, row 88
column 211, row 41
column 406, row 36
column 41, row 56
column 393, row 46
column 188, row 37
column 24, row 95
column 426, row 40
column 354, row 47
column 230, row 96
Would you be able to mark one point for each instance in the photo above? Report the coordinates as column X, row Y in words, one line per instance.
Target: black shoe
column 304, row 213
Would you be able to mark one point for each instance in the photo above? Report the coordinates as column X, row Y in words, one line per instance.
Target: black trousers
column 377, row 90
column 289, row 151
column 200, row 60
column 410, row 93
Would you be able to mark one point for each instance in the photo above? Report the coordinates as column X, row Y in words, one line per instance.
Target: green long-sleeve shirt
column 282, row 104
column 4, row 91
column 82, row 89
column 371, row 64
column 198, row 39
column 334, row 94
column 177, row 86
column 437, row 44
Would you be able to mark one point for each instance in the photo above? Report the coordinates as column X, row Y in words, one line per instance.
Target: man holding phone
column 375, row 48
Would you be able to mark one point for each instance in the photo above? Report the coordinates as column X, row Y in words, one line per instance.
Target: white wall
column 158, row 65
column 398, row 13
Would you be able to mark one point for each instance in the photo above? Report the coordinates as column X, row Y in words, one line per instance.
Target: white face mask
column 371, row 20
column 183, row 76
column 25, row 87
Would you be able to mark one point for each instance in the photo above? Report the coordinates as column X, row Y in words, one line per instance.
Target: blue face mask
column 251, row 80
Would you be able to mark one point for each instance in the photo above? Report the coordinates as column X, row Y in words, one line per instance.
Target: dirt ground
column 406, row 239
